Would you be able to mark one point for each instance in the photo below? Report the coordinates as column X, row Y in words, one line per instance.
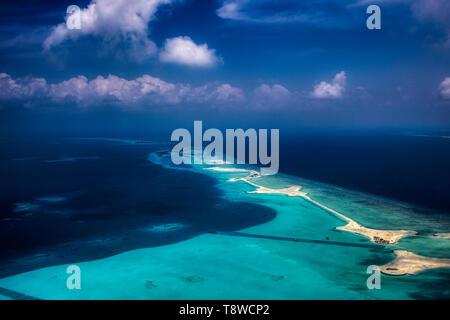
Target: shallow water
column 259, row 261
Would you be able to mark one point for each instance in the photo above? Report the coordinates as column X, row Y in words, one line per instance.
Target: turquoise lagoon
column 263, row 261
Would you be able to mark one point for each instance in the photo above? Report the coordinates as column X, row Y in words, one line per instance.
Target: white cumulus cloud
column 444, row 88
column 110, row 20
column 333, row 90
column 274, row 96
column 14, row 89
column 182, row 50
column 223, row 93
column 142, row 91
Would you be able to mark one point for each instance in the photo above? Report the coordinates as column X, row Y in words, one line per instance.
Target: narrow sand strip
column 406, row 262
column 376, row 236
column 293, row 191
column 440, row 236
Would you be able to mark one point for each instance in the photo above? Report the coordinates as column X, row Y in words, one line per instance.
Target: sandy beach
column 376, row 236
column 406, row 262
column 440, row 236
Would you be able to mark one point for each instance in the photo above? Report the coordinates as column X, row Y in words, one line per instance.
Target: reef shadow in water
column 116, row 204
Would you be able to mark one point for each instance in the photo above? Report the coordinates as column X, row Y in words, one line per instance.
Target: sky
column 160, row 64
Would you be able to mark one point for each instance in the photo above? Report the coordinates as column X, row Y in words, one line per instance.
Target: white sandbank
column 406, row 262
column 440, row 236
column 376, row 236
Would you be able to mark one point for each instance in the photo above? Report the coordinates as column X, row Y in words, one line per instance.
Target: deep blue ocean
column 409, row 168
column 75, row 199
column 67, row 199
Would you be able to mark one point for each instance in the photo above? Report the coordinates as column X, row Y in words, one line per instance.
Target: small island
column 406, row 262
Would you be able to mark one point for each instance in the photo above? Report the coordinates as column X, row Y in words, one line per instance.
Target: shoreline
column 439, row 236
column 375, row 235
column 409, row 263
column 405, row 262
